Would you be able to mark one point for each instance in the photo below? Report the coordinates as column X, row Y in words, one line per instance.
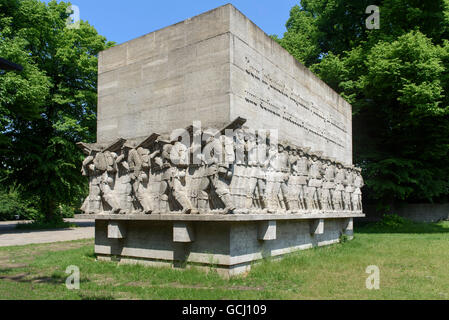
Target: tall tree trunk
column 48, row 208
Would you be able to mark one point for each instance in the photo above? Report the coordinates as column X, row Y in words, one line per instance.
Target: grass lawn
column 413, row 262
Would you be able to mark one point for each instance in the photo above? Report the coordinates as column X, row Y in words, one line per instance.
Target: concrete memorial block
column 317, row 226
column 183, row 232
column 215, row 146
column 116, row 230
column 349, row 224
column 348, row 227
column 267, row 230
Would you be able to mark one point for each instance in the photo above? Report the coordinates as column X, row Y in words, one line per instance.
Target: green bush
column 392, row 220
column 12, row 204
column 66, row 211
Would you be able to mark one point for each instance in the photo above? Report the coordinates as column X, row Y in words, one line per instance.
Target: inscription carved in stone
column 296, row 109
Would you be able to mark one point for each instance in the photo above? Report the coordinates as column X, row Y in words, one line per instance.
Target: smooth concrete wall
column 291, row 236
column 166, row 79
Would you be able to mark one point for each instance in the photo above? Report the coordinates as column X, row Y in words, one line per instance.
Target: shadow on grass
column 84, row 224
column 38, row 225
column 55, row 278
column 407, row 227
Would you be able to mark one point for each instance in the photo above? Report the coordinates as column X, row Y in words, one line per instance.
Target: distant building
column 8, row 65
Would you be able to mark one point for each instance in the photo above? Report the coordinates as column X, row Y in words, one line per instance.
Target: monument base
column 227, row 243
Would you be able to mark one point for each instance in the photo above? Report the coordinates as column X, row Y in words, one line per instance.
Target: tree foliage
column 396, row 78
column 51, row 104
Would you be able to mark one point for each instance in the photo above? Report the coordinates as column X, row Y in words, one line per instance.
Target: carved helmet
column 101, row 161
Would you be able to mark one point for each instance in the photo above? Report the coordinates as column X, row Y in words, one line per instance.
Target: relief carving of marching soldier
column 315, row 184
column 349, row 189
column 357, row 194
column 123, row 186
column 173, row 188
column 196, row 168
column 277, row 178
column 328, row 185
column 101, row 168
column 337, row 194
column 302, row 171
column 106, row 163
column 139, row 166
column 238, row 183
column 217, row 174
column 255, row 172
column 293, row 185
column 92, row 203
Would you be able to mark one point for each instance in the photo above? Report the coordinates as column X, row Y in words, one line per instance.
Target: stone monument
column 216, row 147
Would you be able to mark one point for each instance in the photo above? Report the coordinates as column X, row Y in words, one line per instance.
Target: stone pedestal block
column 317, row 226
column 226, row 243
column 116, row 230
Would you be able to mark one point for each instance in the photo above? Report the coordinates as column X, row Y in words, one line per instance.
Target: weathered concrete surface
column 228, row 246
column 222, row 217
column 214, row 68
column 166, row 79
column 9, row 236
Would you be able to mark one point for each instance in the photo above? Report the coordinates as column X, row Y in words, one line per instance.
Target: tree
column 396, row 78
column 51, row 104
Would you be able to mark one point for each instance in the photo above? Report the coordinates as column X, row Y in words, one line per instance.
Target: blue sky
column 121, row 20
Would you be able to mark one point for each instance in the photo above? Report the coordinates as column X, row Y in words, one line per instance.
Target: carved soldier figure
column 238, row 182
column 357, row 194
column 277, row 178
column 196, row 167
column 302, row 171
column 161, row 166
column 349, row 188
column 173, row 180
column 216, row 174
column 260, row 171
column 139, row 161
column 337, row 195
column 179, row 154
column 315, row 184
column 271, row 176
column 92, row 203
column 123, row 184
column 293, row 181
column 284, row 167
column 328, row 185
column 255, row 188
column 106, row 162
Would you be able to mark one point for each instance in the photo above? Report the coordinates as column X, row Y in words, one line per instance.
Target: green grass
column 412, row 259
